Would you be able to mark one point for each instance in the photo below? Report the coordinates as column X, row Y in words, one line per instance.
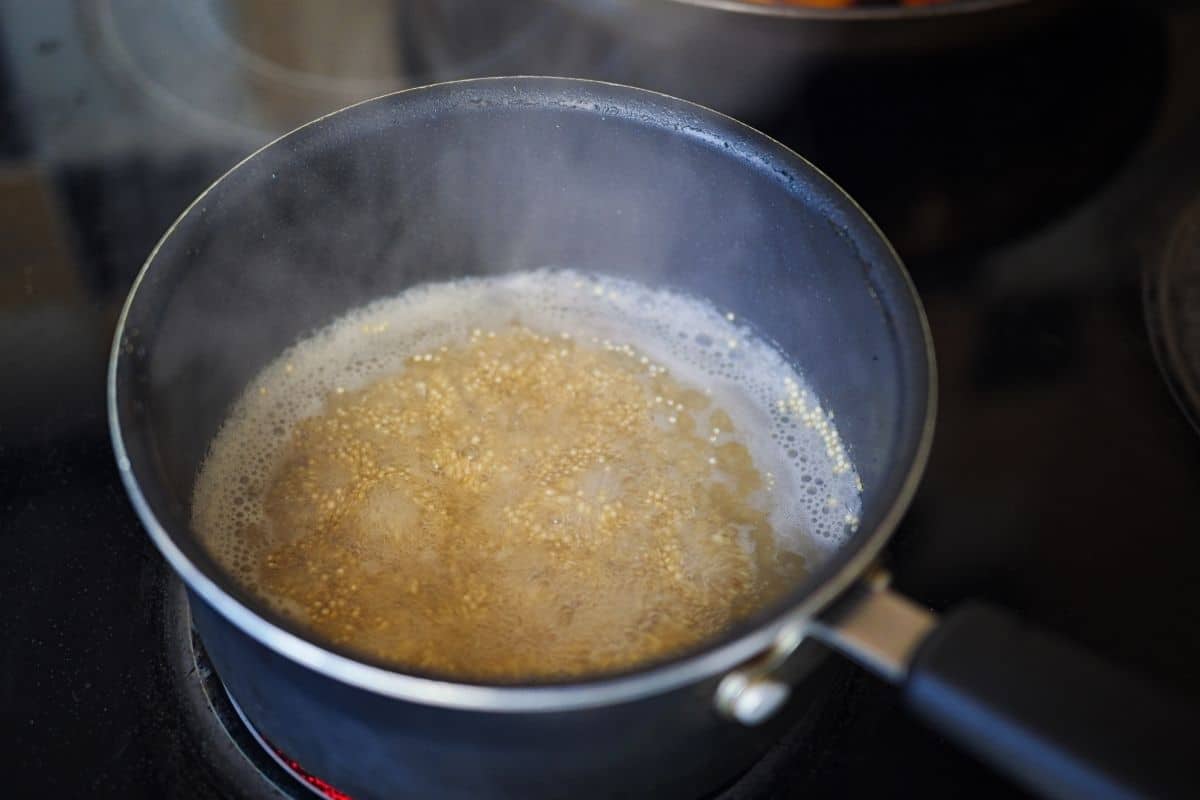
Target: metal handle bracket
column 872, row 624
column 875, row 626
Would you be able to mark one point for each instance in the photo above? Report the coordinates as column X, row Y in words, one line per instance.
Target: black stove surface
column 1033, row 191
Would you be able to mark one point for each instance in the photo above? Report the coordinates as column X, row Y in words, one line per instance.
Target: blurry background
column 1034, row 162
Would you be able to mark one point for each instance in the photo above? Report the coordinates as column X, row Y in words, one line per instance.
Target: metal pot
column 751, row 58
column 494, row 175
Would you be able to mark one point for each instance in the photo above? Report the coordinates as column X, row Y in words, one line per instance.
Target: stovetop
column 1033, row 191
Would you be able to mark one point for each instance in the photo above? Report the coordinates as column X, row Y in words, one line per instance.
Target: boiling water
column 538, row 475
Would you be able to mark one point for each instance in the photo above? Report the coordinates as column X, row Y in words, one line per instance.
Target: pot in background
column 748, row 58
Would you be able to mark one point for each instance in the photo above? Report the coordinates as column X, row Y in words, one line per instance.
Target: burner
column 240, row 762
column 245, row 766
column 1172, row 303
column 289, row 765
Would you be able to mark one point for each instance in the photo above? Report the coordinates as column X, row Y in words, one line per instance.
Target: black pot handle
column 1058, row 719
column 1051, row 715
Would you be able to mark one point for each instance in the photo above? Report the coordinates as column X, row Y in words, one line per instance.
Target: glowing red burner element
column 312, row 780
column 281, row 758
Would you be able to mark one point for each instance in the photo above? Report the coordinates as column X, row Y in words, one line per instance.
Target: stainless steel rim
column 585, row 694
column 861, row 13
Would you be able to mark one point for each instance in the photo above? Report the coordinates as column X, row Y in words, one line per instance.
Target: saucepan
column 496, row 175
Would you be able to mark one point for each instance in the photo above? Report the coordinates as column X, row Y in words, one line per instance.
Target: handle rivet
column 754, row 701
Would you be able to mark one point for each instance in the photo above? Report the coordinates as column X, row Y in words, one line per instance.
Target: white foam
column 816, row 492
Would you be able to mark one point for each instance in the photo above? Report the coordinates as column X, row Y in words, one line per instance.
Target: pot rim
column 716, row 657
column 955, row 8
